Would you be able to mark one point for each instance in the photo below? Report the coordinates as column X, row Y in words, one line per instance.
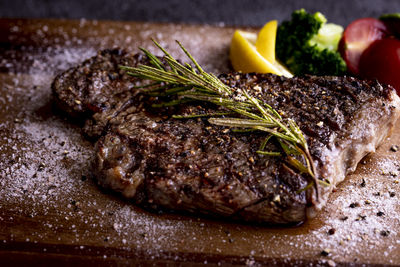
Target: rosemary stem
column 252, row 114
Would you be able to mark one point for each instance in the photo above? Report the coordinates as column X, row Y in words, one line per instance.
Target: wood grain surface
column 52, row 211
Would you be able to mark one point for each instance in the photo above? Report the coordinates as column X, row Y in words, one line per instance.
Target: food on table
column 96, row 90
column 194, row 165
column 357, row 37
column 392, row 23
column 245, row 57
column 306, row 44
column 371, row 49
column 266, row 39
column 381, row 60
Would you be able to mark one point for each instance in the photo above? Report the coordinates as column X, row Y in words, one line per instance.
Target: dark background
column 234, row 12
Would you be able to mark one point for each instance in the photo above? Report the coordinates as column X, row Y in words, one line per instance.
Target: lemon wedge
column 265, row 43
column 245, row 57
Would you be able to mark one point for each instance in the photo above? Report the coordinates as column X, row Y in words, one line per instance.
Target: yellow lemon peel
column 245, row 57
column 265, row 43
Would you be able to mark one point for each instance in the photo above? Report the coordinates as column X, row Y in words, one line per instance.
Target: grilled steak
column 190, row 165
column 97, row 89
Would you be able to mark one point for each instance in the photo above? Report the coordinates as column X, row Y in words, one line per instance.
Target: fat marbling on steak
column 191, row 165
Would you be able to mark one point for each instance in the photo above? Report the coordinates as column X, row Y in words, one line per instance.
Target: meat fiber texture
column 190, row 165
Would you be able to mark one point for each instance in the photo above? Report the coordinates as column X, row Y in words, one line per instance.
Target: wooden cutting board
column 52, row 211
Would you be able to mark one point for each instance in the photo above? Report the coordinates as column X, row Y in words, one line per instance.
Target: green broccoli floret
column 308, row 45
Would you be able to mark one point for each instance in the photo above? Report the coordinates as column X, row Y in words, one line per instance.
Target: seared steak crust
column 193, row 166
column 97, row 89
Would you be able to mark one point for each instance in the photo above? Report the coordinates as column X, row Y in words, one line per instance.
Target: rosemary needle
column 193, row 83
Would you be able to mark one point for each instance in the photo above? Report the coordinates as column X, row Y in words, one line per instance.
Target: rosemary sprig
column 207, row 115
column 193, row 83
